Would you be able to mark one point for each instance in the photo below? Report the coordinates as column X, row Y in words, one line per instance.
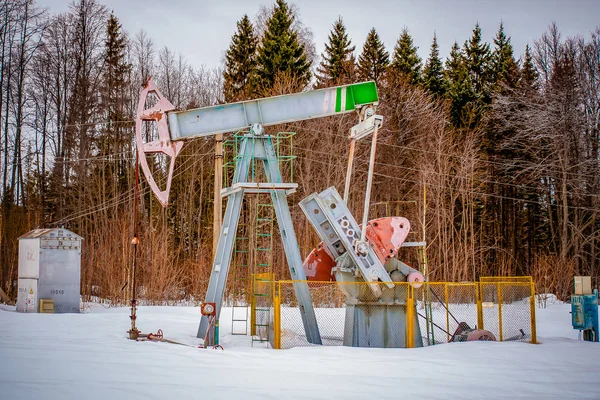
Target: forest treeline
column 503, row 147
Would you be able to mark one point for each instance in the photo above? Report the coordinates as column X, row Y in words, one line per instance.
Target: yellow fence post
column 277, row 316
column 447, row 312
column 479, row 306
column 410, row 318
column 499, row 286
column 532, row 308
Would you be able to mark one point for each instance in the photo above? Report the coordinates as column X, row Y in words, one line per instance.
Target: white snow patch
column 87, row 356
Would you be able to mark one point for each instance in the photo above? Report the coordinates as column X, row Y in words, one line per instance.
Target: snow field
column 88, row 356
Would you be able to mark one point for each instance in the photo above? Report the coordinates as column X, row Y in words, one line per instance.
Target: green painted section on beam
column 356, row 94
column 363, row 93
column 350, row 104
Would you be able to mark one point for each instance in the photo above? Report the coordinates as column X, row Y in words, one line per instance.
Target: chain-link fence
column 445, row 310
column 399, row 315
column 508, row 308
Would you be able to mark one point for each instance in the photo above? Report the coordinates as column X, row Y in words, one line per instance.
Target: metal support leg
column 290, row 245
column 292, row 254
column 220, row 267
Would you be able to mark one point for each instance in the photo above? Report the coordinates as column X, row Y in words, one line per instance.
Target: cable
column 490, row 162
column 504, row 164
column 127, row 121
column 444, row 174
column 468, row 191
column 120, row 200
column 108, row 157
column 93, row 158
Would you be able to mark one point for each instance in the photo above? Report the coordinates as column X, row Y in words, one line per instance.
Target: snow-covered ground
column 87, row 356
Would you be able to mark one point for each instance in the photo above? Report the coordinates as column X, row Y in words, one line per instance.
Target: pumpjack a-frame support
column 257, row 146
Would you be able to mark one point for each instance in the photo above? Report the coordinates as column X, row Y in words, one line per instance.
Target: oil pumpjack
column 347, row 252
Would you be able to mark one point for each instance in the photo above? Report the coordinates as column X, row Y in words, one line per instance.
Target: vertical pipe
column 216, row 340
column 410, row 318
column 532, row 311
column 218, row 200
column 134, row 332
column 349, row 170
column 277, row 316
column 499, row 286
column 363, row 235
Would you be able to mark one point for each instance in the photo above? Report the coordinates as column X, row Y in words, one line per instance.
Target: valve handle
column 163, row 145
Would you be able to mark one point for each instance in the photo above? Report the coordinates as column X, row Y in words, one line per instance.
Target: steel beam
column 270, row 111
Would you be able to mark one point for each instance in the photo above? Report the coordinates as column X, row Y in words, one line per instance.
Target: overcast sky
column 201, row 30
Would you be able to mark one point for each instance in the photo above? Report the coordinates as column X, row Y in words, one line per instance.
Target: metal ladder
column 261, row 307
column 241, row 284
column 263, row 270
column 240, row 287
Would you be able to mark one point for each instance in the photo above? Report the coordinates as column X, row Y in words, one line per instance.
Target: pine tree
column 405, row 61
column 338, row 65
column 114, row 101
column 460, row 88
column 115, row 71
column 433, row 73
column 529, row 76
column 240, row 63
column 280, row 54
column 374, row 59
column 505, row 70
column 477, row 59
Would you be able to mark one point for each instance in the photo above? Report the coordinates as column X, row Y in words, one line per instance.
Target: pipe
column 363, row 235
column 349, row 170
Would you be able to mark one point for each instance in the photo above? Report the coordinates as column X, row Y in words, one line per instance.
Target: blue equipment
column 584, row 314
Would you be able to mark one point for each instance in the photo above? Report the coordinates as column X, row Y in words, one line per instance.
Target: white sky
column 201, row 29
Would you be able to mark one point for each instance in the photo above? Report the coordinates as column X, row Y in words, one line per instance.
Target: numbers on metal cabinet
column 57, row 291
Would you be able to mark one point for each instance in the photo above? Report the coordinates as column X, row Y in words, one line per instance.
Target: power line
column 491, row 162
column 111, row 158
column 128, row 121
column 444, row 174
column 121, row 199
column 465, row 191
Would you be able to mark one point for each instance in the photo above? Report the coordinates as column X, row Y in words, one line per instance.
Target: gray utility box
column 49, row 268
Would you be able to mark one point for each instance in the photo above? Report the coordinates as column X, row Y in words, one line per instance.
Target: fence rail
column 435, row 312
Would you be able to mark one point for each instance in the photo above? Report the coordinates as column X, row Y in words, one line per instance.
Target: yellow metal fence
column 434, row 312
